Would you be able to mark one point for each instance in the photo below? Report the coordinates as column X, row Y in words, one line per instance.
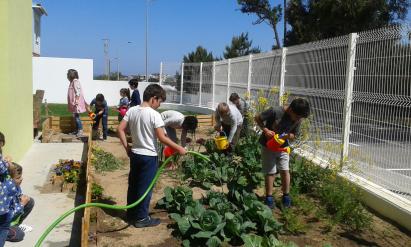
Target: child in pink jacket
column 75, row 100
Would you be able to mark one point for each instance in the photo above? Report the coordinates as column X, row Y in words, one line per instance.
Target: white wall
column 50, row 74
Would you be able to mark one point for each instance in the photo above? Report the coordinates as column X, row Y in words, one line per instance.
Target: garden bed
column 308, row 222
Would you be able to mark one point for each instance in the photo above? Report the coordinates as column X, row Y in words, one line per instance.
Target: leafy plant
column 340, row 197
column 176, row 199
column 199, row 225
column 104, row 161
column 252, row 240
column 96, row 191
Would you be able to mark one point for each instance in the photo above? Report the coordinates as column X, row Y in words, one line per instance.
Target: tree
column 240, row 46
column 314, row 20
column 199, row 55
column 265, row 13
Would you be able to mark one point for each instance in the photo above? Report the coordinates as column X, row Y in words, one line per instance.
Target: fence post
column 213, row 96
column 250, row 71
column 228, row 79
column 282, row 76
column 201, row 82
column 161, row 73
column 349, row 81
column 182, row 83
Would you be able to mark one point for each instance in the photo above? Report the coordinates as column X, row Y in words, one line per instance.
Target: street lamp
column 147, row 3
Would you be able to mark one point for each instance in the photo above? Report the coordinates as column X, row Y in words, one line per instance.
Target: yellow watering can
column 221, row 141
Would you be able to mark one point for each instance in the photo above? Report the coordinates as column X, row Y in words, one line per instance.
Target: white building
column 38, row 12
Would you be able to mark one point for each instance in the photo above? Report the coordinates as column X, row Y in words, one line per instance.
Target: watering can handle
column 223, row 133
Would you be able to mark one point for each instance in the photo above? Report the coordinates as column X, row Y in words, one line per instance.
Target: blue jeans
column 103, row 122
column 4, row 228
column 142, row 171
column 79, row 125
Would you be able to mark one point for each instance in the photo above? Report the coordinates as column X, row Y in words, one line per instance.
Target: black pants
column 15, row 234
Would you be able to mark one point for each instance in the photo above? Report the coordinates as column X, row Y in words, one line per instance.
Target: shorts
column 271, row 161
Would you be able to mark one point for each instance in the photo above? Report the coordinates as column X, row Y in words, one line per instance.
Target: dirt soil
column 112, row 230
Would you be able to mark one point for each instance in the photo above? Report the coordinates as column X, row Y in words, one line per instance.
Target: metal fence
column 359, row 88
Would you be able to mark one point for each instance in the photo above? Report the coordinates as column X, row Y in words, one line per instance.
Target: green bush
column 104, row 161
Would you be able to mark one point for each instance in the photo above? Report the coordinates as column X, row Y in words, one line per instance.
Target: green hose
column 102, row 205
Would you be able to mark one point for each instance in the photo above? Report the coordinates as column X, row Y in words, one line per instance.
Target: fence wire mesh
column 379, row 146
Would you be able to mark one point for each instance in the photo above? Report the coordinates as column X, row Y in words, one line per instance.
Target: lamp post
column 147, row 3
column 106, row 58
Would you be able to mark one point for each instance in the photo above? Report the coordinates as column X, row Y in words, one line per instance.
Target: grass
column 60, row 110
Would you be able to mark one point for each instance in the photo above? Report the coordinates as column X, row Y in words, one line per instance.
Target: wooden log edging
column 85, row 226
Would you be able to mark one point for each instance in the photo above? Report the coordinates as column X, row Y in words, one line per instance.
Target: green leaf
column 252, row 240
column 186, row 243
column 214, row 241
column 168, row 194
column 242, row 181
column 203, row 234
column 183, row 225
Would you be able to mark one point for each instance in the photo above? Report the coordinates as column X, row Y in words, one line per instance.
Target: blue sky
column 75, row 28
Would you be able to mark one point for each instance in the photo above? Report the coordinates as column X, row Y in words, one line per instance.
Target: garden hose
column 108, row 206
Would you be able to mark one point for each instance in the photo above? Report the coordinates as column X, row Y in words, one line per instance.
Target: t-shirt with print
column 142, row 122
column 279, row 121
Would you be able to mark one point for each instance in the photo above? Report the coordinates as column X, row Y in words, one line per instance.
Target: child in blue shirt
column 135, row 97
column 101, row 111
column 146, row 125
column 21, row 206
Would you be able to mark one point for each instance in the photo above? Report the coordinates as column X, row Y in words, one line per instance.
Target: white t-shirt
column 142, row 122
column 173, row 119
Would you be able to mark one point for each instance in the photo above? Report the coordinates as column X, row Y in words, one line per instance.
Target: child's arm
column 217, row 119
column 268, row 133
column 167, row 141
column 121, row 130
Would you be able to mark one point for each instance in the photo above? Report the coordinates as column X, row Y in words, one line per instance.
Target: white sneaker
column 80, row 133
column 25, row 228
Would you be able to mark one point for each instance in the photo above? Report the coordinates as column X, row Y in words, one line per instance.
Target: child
column 135, row 97
column 146, row 126
column 21, row 206
column 285, row 121
column 228, row 119
column 124, row 102
column 242, row 106
column 75, row 100
column 8, row 191
column 175, row 120
column 101, row 111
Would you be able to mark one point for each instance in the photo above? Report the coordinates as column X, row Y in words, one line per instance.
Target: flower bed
column 66, row 174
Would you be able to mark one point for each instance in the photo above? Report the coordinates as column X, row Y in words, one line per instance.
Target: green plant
column 96, row 191
column 252, row 240
column 176, row 199
column 69, row 169
column 199, row 225
column 104, row 161
column 340, row 198
column 293, row 222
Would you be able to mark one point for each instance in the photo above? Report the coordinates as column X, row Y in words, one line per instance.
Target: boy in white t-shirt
column 146, row 125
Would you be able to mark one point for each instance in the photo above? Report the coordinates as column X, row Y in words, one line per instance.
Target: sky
column 75, row 29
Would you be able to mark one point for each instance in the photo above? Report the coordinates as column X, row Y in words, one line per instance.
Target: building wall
column 50, row 74
column 16, row 99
